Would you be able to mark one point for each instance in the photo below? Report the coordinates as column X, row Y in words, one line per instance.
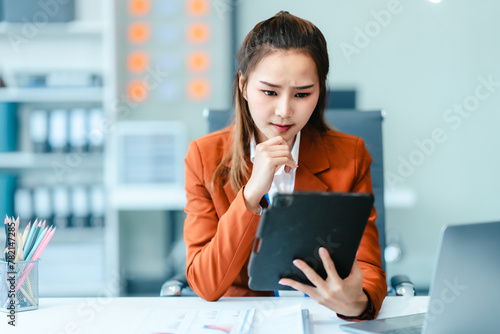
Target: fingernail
column 296, row 263
column 281, row 282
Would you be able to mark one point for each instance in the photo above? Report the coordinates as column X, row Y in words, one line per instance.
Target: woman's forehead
column 285, row 66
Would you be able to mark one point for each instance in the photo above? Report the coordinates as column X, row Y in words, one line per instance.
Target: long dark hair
column 282, row 32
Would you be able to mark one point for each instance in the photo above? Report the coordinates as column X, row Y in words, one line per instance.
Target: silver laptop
column 465, row 290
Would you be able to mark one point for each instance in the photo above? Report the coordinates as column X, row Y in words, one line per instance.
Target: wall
column 425, row 59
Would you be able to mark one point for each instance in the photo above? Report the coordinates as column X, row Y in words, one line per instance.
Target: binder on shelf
column 23, row 205
column 97, row 206
column 42, row 203
column 39, row 129
column 25, row 10
column 8, row 127
column 60, row 79
column 8, row 143
column 7, row 189
column 96, row 133
column 78, row 130
column 80, row 206
column 72, row 79
column 58, row 131
column 61, row 206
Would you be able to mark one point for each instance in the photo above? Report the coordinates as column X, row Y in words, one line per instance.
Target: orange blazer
column 219, row 230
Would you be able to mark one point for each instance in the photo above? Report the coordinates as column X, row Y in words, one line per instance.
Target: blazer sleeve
column 369, row 254
column 217, row 248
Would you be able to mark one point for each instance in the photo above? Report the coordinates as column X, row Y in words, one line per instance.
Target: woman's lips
column 281, row 127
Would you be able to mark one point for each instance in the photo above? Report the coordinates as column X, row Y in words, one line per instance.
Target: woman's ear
column 241, row 82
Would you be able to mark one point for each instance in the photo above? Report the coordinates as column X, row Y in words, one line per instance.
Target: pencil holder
column 18, row 286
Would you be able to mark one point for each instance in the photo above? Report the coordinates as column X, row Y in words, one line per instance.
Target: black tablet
column 297, row 225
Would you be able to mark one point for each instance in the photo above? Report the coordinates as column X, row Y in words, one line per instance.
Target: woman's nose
column 284, row 108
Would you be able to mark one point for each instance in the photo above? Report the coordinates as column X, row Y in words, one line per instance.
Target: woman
column 280, row 92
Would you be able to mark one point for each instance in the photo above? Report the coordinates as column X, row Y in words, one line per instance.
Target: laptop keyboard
column 406, row 330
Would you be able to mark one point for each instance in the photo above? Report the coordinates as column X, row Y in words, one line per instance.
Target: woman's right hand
column 269, row 157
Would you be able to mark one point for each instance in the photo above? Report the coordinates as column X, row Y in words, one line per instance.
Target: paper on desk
column 290, row 320
column 192, row 321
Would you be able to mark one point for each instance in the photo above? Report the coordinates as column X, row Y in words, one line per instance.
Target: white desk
column 122, row 315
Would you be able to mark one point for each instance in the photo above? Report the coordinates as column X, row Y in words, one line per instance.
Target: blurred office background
column 99, row 99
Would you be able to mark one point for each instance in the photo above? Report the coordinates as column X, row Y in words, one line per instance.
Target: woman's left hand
column 344, row 296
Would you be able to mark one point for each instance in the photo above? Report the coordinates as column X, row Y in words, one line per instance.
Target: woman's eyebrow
column 278, row 86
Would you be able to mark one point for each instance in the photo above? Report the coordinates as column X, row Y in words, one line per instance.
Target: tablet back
column 297, row 225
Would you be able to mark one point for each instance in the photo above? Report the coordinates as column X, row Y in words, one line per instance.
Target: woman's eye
column 302, row 95
column 269, row 92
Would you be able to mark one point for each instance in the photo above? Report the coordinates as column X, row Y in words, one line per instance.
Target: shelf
column 22, row 160
column 75, row 28
column 78, row 261
column 51, row 94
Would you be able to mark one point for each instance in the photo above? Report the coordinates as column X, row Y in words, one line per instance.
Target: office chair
column 364, row 124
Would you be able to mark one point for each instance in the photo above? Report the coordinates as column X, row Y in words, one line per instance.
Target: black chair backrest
column 364, row 124
column 217, row 119
column 367, row 125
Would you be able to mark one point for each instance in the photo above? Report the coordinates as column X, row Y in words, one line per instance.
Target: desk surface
column 122, row 315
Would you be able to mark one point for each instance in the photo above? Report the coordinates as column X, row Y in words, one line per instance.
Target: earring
column 245, row 96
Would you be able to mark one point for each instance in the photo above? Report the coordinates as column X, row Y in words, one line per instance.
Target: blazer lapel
column 312, row 160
